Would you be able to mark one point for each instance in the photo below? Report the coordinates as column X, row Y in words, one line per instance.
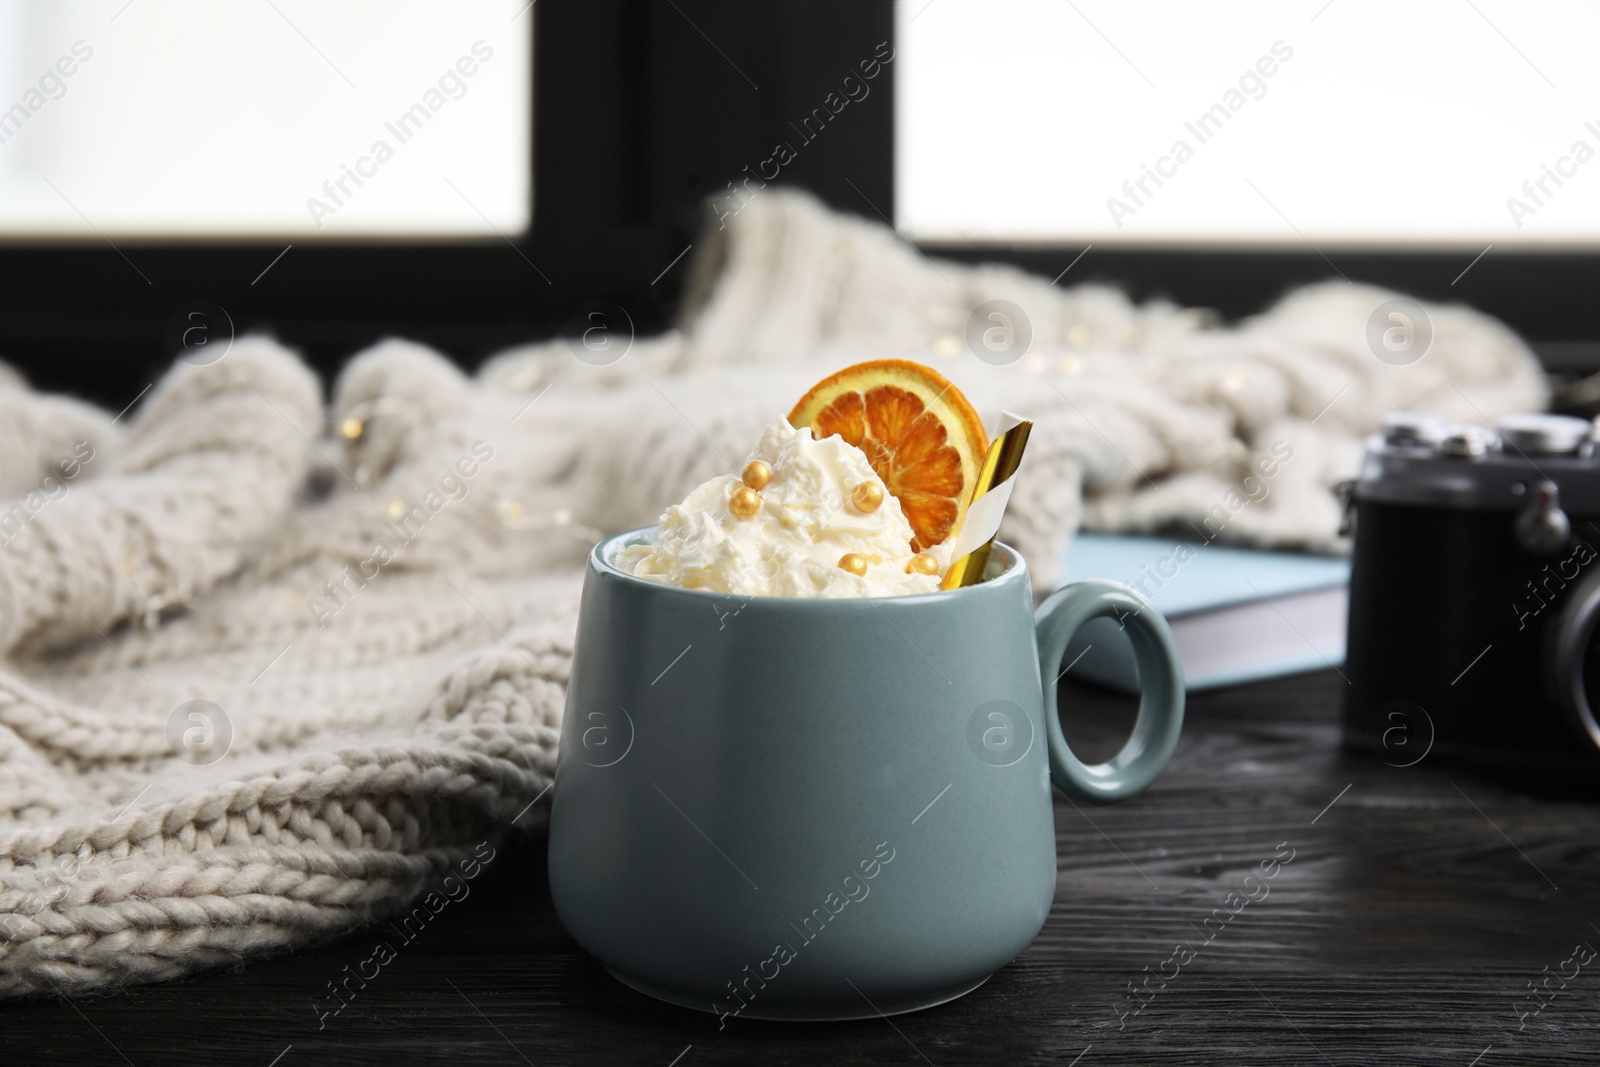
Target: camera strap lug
column 1542, row 527
column 1345, row 491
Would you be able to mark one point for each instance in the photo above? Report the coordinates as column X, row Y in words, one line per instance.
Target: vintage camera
column 1474, row 598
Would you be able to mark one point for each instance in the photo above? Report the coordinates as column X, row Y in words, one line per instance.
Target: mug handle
column 1155, row 732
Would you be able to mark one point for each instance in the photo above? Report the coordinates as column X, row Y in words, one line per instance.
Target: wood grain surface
column 1418, row 908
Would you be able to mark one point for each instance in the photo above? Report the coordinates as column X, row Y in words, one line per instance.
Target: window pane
column 1350, row 121
column 278, row 117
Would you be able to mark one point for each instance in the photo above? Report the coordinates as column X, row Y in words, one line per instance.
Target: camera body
column 1474, row 597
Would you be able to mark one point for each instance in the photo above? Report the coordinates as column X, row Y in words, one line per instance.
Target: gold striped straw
column 999, row 464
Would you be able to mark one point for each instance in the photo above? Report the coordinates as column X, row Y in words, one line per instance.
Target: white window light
column 1350, row 122
column 284, row 118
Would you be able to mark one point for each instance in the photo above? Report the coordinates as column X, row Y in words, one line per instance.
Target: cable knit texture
column 270, row 669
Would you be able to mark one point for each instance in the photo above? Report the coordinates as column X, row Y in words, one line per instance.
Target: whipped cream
column 792, row 545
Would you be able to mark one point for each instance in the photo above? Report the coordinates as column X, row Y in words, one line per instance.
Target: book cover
column 1237, row 614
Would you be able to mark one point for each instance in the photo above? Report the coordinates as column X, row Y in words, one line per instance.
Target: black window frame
column 642, row 110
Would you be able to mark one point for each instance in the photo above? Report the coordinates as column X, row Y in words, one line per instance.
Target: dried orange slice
column 920, row 434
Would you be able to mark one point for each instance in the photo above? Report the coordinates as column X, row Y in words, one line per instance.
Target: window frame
column 641, row 111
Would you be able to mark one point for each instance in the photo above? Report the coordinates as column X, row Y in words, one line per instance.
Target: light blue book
column 1237, row 614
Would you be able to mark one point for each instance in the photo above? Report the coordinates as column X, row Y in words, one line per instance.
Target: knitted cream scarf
column 266, row 676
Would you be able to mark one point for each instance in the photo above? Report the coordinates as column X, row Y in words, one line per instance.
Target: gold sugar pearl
column 855, row 563
column 922, row 563
column 351, row 429
column 744, row 502
column 868, row 496
column 756, row 474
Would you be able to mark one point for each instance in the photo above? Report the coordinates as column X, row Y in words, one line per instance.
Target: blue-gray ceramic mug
column 788, row 808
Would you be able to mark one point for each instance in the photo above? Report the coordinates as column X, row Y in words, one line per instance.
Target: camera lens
column 1591, row 681
column 1572, row 658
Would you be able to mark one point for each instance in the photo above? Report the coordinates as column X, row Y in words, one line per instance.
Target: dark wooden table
column 1419, row 905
